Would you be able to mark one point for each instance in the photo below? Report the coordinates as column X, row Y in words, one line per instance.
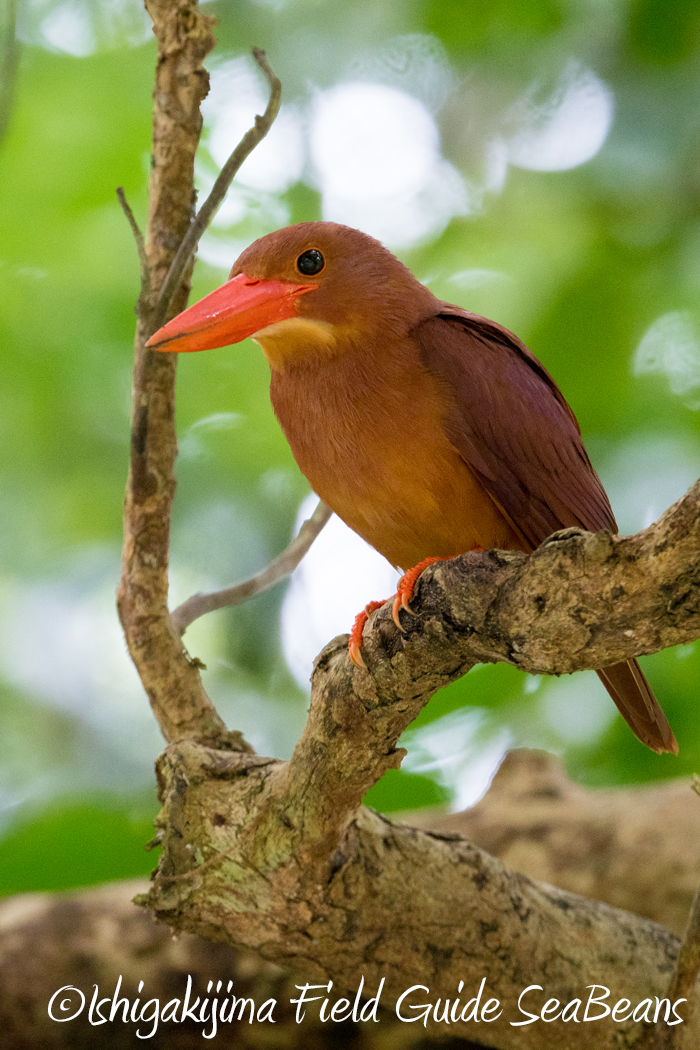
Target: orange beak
column 241, row 307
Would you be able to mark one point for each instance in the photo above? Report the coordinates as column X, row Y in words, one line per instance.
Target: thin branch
column 9, row 64
column 278, row 569
column 140, row 246
column 688, row 963
column 684, row 977
column 205, row 214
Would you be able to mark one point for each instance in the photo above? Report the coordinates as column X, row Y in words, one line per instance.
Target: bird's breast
column 372, row 443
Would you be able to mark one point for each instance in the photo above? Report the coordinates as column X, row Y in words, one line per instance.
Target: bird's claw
column 355, row 654
column 404, row 591
column 400, row 602
column 355, row 642
column 402, row 599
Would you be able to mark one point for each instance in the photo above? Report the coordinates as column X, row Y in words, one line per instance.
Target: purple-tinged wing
column 510, row 422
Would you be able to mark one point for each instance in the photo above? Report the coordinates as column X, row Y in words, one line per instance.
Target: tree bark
column 635, row 848
column 93, row 937
column 170, row 678
column 639, row 845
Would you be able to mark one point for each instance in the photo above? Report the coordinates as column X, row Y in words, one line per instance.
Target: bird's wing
column 510, row 422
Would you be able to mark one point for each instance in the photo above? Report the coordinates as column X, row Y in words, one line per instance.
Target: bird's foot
column 355, row 643
column 404, row 591
column 401, row 601
column 408, row 581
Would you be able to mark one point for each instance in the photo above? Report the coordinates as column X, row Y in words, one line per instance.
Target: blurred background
column 537, row 163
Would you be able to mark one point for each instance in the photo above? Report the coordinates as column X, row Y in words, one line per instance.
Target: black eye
column 311, row 262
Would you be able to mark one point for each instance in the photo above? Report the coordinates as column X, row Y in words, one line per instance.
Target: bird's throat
column 295, row 339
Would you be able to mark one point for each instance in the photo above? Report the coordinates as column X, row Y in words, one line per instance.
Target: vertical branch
column 171, row 680
column 683, row 980
column 245, row 147
column 166, row 258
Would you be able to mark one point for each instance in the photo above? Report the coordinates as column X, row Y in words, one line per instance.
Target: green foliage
column 665, row 31
column 494, row 26
column 400, row 790
column 78, row 844
column 579, row 262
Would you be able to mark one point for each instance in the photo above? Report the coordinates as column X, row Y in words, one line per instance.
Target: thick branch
column 581, row 601
column 639, row 845
column 395, row 903
column 288, row 864
column 93, row 937
column 278, row 569
column 636, row 848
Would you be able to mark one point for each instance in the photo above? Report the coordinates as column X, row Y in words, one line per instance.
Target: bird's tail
column 638, row 706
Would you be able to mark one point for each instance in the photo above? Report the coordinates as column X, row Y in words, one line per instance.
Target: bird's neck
column 333, row 408
column 299, row 341
column 332, row 390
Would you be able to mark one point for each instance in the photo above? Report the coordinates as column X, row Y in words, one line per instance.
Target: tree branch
column 532, row 815
column 635, row 847
column 290, row 864
column 144, row 270
column 281, row 857
column 683, row 980
column 171, row 680
column 278, row 569
column 220, row 188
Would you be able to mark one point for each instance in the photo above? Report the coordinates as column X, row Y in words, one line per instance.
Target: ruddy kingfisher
column 429, row 430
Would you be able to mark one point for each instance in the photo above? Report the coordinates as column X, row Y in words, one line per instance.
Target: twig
column 9, row 63
column 140, row 246
column 224, row 179
column 279, row 568
column 684, row 977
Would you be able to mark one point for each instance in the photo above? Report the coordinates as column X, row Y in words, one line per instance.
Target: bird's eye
column 311, row 262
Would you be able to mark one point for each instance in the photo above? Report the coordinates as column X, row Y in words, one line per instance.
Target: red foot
column 407, row 582
column 355, row 643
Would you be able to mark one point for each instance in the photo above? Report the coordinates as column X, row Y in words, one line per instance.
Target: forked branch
column 282, row 856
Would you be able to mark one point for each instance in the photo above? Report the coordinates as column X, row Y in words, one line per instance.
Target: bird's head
column 310, row 288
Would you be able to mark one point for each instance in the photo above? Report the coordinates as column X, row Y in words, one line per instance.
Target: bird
column 429, row 430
